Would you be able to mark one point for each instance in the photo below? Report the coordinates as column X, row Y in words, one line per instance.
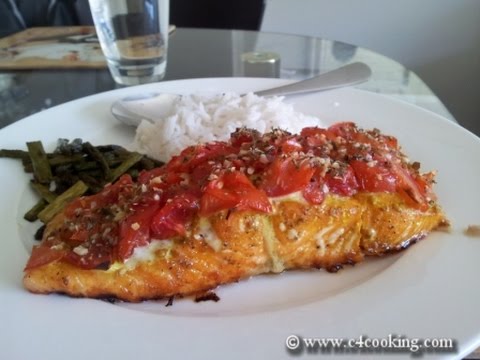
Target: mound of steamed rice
column 203, row 118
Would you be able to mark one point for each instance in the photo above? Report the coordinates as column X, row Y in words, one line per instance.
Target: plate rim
column 467, row 346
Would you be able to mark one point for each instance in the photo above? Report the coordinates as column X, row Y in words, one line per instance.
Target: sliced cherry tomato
column 424, row 183
column 315, row 137
column 312, row 131
column 346, row 130
column 181, row 162
column 196, row 155
column 146, row 176
column 243, row 136
column 314, row 192
column 98, row 249
column 253, row 199
column 201, row 172
column 284, row 177
column 95, row 257
column 349, row 132
column 249, row 197
column 345, row 184
column 171, row 219
column 79, row 236
column 42, row 255
column 374, row 178
column 233, row 190
column 135, row 230
column 408, row 188
column 290, row 145
column 215, row 199
column 110, row 194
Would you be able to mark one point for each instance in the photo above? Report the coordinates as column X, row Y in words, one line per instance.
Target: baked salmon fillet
column 225, row 211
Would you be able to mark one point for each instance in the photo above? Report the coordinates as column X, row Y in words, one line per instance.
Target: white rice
column 204, row 118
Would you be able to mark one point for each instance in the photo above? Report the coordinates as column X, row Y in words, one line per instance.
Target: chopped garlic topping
column 80, row 250
column 135, row 226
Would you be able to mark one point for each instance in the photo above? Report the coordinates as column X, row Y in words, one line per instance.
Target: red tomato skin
column 409, row 189
column 314, row 193
column 346, row 185
column 146, row 176
column 135, row 230
column 248, row 196
column 240, row 137
column 43, row 254
column 291, row 145
column 373, row 178
column 346, row 130
column 171, row 219
column 215, row 199
column 233, row 190
column 197, row 155
column 283, row 177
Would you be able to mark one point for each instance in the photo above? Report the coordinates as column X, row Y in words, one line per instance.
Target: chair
column 17, row 15
column 217, row 14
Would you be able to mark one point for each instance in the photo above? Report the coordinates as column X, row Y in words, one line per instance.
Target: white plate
column 429, row 291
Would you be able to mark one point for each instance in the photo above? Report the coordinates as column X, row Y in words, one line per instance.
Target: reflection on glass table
column 201, row 53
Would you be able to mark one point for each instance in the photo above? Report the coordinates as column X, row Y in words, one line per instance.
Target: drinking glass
column 133, row 35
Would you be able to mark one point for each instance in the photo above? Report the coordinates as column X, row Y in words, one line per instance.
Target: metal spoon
column 132, row 110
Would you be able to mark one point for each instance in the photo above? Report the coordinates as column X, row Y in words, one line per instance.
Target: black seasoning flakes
column 208, row 296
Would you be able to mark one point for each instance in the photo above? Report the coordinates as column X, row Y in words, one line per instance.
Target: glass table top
column 201, row 53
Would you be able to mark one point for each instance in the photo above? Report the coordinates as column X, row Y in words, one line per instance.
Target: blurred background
column 437, row 39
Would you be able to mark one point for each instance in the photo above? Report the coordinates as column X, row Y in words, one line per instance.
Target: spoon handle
column 347, row 75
